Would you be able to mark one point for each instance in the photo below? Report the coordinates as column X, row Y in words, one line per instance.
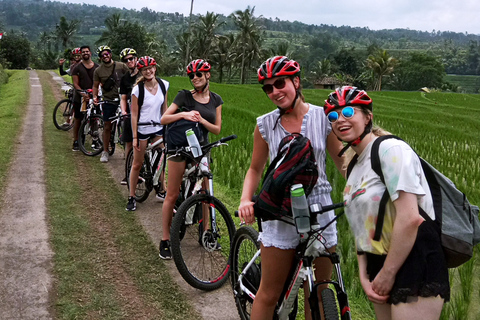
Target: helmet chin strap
column 290, row 109
column 203, row 89
column 356, row 142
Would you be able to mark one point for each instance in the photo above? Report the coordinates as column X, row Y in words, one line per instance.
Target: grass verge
column 14, row 96
column 105, row 265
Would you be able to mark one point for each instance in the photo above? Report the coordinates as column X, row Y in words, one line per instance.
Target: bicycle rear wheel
column 201, row 256
column 142, row 189
column 111, row 142
column 244, row 247
column 90, row 135
column 63, row 115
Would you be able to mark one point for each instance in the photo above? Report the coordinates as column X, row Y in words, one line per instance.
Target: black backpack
column 175, row 132
column 294, row 163
column 456, row 219
column 141, row 92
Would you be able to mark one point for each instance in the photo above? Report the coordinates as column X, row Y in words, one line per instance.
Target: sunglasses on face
column 129, row 59
column 106, row 55
column 85, row 52
column 347, row 113
column 192, row 75
column 279, row 84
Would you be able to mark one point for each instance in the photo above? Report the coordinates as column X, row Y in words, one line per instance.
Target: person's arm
column 252, row 178
column 134, row 118
column 96, row 83
column 60, row 67
column 216, row 127
column 365, row 281
column 405, row 228
column 334, row 146
column 164, row 105
column 123, row 103
column 170, row 115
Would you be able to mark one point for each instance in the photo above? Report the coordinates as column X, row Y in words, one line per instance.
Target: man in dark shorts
column 129, row 57
column 107, row 69
column 82, row 77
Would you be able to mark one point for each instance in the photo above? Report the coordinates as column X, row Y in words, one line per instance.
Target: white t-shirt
column 402, row 170
column 151, row 108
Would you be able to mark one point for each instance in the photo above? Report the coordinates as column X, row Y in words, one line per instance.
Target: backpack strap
column 141, row 93
column 352, row 164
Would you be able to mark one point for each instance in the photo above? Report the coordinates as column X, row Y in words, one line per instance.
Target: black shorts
column 423, row 274
column 127, row 130
column 141, row 136
column 109, row 111
column 76, row 109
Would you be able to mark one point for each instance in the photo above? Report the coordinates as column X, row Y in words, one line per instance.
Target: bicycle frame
column 302, row 271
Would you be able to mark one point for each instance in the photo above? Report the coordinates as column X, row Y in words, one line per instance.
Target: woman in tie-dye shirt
column 404, row 273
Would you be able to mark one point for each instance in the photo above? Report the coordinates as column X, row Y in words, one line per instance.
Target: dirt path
column 25, row 253
column 216, row 305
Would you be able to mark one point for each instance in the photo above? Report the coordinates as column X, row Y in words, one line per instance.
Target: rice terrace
column 444, row 128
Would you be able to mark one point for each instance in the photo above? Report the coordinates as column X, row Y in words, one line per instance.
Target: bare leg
column 138, row 157
column 175, row 174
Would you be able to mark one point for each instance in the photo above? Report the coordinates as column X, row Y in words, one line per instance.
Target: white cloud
column 443, row 15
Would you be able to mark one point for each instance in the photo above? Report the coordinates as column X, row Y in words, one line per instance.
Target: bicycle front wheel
column 200, row 254
column 142, row 189
column 90, row 136
column 244, row 247
column 63, row 115
column 330, row 310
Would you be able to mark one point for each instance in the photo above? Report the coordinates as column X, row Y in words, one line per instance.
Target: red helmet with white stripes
column 347, row 96
column 276, row 67
column 145, row 61
column 198, row 65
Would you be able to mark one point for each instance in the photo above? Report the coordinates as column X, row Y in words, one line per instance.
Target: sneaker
column 165, row 251
column 104, row 157
column 75, row 146
column 124, row 181
column 131, row 204
column 161, row 195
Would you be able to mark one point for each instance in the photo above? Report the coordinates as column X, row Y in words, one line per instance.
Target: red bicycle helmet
column 145, row 61
column 347, row 96
column 276, row 67
column 198, row 65
column 76, row 51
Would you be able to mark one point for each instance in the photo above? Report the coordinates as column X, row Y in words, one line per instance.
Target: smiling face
column 199, row 79
column 130, row 61
column 350, row 128
column 106, row 56
column 281, row 90
column 148, row 72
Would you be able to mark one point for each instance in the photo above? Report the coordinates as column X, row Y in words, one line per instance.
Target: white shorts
column 281, row 235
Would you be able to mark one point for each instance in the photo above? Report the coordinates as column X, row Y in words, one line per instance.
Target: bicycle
column 246, row 272
column 152, row 168
column 116, row 135
column 63, row 113
column 90, row 133
column 202, row 228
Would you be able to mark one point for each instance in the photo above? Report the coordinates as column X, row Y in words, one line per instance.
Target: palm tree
column 65, row 31
column 248, row 40
column 222, row 55
column 205, row 36
column 112, row 24
column 381, row 64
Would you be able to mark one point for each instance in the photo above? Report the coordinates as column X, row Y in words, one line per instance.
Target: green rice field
column 442, row 127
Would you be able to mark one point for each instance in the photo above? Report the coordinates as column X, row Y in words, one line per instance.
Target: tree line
column 236, row 44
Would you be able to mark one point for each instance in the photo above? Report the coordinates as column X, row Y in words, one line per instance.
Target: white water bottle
column 193, row 143
column 301, row 213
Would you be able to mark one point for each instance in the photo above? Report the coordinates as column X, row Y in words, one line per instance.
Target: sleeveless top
column 315, row 127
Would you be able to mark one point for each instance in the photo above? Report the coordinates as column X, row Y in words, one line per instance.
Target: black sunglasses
column 129, row 59
column 279, row 84
column 198, row 74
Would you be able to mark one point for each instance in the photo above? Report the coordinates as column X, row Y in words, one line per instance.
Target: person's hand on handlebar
column 246, row 212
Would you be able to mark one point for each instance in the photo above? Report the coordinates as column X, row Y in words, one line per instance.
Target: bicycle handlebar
column 121, row 116
column 317, row 208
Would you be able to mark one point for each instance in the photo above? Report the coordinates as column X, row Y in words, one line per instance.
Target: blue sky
column 444, row 15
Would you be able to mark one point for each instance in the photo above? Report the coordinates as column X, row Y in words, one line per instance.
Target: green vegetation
column 465, row 84
column 105, row 264
column 14, row 96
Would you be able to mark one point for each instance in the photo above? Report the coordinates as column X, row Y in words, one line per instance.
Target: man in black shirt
column 129, row 57
column 82, row 76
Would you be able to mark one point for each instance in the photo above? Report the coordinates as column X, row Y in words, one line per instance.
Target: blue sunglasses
column 347, row 113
